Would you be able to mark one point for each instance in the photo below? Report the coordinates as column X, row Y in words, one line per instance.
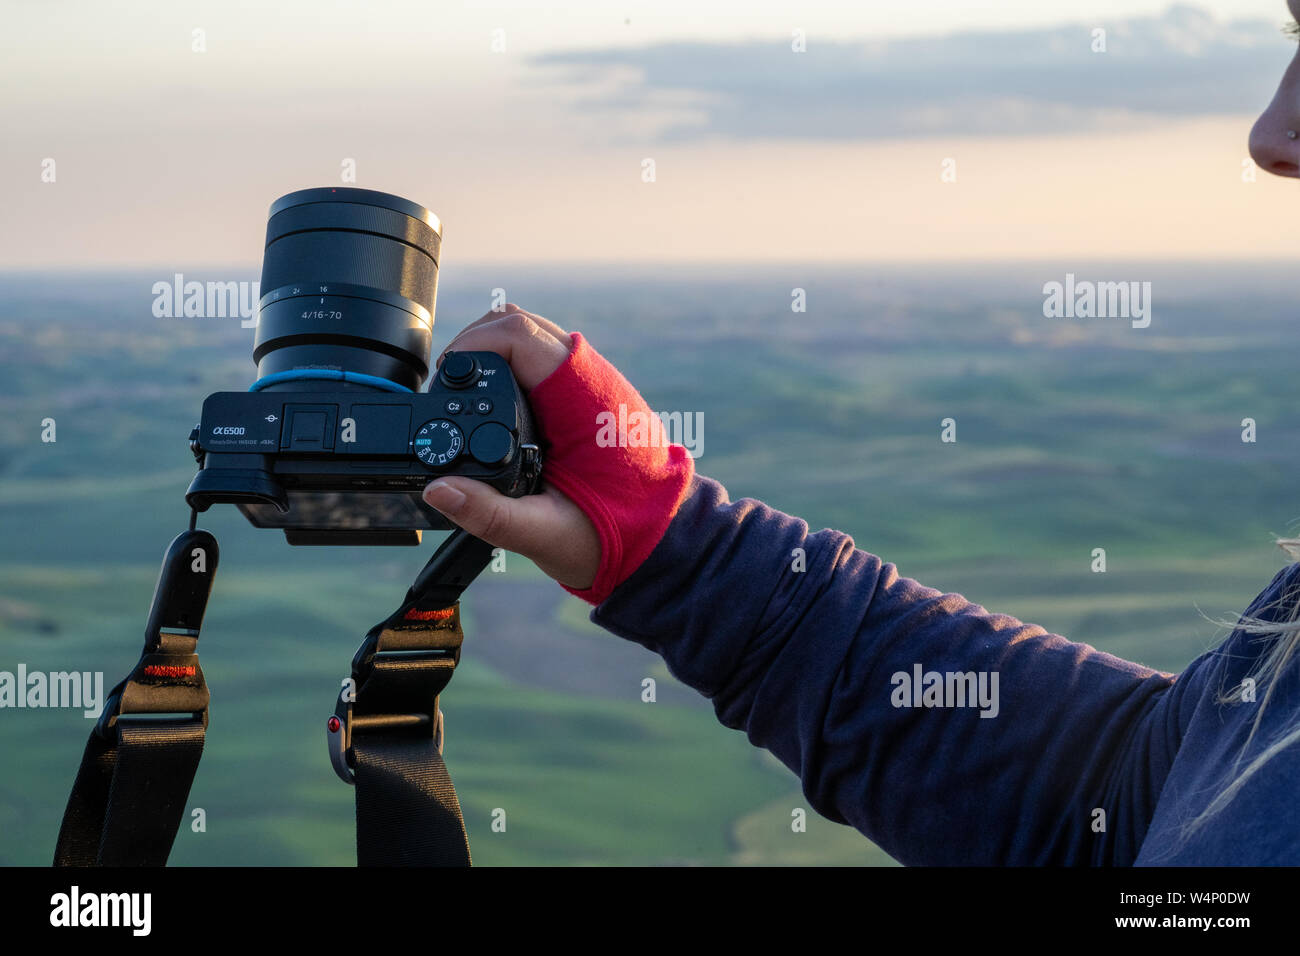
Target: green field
column 1071, row 436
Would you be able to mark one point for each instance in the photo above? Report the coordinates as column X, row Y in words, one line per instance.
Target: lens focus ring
column 355, row 258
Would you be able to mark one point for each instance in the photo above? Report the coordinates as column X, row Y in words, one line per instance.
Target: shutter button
column 459, row 370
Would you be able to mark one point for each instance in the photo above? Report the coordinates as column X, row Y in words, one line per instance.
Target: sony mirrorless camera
column 334, row 442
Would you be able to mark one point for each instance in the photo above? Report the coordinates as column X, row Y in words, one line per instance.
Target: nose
column 1275, row 141
column 1275, row 137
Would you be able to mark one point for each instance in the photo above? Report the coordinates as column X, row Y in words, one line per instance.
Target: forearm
column 805, row 662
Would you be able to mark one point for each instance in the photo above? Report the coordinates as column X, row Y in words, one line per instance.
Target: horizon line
column 730, row 263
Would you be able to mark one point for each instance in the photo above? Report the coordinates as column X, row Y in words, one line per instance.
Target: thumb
column 547, row 528
column 485, row 513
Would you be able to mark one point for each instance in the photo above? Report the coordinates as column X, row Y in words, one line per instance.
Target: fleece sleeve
column 630, row 489
column 799, row 639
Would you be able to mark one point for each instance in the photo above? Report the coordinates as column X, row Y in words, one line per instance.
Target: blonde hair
column 1277, row 624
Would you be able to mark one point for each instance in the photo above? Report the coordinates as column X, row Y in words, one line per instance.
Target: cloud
column 1183, row 63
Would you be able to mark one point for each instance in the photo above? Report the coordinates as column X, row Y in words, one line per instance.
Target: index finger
column 494, row 315
column 532, row 350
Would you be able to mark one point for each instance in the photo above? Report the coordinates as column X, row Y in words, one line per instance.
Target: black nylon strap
column 135, row 775
column 129, row 796
column 407, row 810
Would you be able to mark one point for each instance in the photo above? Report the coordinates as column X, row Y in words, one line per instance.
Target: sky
column 903, row 130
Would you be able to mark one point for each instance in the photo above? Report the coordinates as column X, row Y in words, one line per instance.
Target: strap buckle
column 398, row 672
column 167, row 680
column 340, row 727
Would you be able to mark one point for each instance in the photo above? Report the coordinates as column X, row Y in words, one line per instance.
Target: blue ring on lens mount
column 327, row 375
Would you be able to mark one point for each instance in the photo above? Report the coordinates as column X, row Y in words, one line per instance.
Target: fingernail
column 444, row 497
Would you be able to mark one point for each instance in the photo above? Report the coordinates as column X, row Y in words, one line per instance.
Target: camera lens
column 349, row 279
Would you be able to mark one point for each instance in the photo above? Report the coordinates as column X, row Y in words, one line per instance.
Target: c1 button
column 483, row 406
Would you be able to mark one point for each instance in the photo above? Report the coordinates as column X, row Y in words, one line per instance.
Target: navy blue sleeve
column 1060, row 759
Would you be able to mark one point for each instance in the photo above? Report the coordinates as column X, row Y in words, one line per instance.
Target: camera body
column 334, row 442
column 348, row 467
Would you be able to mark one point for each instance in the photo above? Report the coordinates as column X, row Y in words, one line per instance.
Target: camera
column 335, row 441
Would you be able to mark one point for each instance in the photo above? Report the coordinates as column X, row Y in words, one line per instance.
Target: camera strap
column 129, row 797
column 135, row 775
column 386, row 733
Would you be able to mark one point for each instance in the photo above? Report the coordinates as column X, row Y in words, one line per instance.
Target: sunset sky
column 167, row 157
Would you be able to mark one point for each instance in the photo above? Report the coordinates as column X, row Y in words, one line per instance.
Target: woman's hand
column 547, row 528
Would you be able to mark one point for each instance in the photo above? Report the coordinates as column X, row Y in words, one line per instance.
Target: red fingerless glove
column 629, row 493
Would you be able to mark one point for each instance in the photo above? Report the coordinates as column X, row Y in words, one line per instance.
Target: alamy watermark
column 74, row 908
column 206, row 300
column 1085, row 299
column 638, row 429
column 922, row 688
column 78, row 689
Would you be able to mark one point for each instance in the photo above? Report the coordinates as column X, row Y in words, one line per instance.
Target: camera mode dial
column 438, row 442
